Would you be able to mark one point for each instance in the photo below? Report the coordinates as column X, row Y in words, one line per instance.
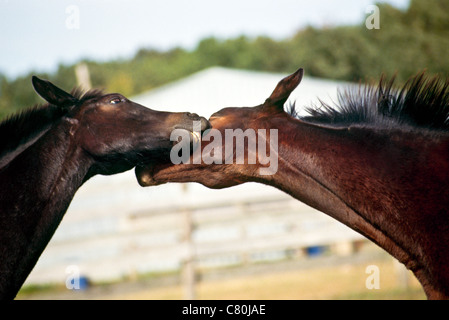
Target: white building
column 114, row 227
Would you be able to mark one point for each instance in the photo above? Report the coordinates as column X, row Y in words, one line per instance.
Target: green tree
column 407, row 42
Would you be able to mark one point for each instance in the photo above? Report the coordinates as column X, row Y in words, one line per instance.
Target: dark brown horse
column 378, row 162
column 48, row 152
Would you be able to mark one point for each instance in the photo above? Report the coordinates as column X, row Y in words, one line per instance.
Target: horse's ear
column 52, row 94
column 283, row 90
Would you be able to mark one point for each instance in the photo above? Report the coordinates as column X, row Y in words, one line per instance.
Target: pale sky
column 39, row 35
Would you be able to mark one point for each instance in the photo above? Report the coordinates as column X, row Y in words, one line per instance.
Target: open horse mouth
column 196, row 137
column 145, row 174
column 195, row 129
column 193, row 141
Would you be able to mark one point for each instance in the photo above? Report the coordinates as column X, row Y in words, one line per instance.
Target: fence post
column 402, row 275
column 188, row 272
column 83, row 76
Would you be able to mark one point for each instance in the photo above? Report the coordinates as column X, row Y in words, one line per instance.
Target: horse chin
column 144, row 175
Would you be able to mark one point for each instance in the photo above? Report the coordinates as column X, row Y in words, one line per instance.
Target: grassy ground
column 342, row 282
column 341, row 279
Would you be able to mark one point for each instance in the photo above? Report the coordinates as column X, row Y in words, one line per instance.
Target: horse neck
column 41, row 181
column 8, row 155
column 23, row 130
column 370, row 180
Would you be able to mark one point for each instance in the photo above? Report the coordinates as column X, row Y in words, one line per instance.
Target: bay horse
column 49, row 151
column 377, row 161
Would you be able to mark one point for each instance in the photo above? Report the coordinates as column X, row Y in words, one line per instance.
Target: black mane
column 423, row 102
column 24, row 126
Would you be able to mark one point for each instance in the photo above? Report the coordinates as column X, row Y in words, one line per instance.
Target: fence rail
column 189, row 237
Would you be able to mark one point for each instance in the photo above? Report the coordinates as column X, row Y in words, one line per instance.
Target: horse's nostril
column 205, row 124
column 192, row 115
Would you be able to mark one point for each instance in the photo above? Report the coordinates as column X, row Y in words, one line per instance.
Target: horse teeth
column 196, row 136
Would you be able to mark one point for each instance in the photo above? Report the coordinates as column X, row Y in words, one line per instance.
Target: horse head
column 115, row 131
column 226, row 160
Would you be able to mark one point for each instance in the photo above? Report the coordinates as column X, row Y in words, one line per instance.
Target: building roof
column 212, row 89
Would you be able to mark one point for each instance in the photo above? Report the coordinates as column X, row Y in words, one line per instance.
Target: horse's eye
column 115, row 100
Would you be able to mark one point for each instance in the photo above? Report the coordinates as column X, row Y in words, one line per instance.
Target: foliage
column 407, row 42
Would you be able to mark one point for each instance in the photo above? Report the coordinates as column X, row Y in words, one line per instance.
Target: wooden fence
column 195, row 237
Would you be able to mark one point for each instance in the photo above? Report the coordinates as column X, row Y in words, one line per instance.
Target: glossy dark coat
column 48, row 152
column 383, row 172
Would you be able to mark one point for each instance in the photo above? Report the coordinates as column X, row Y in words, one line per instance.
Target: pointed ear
column 283, row 90
column 52, row 94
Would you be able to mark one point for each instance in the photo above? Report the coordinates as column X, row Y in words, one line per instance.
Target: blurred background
column 186, row 241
